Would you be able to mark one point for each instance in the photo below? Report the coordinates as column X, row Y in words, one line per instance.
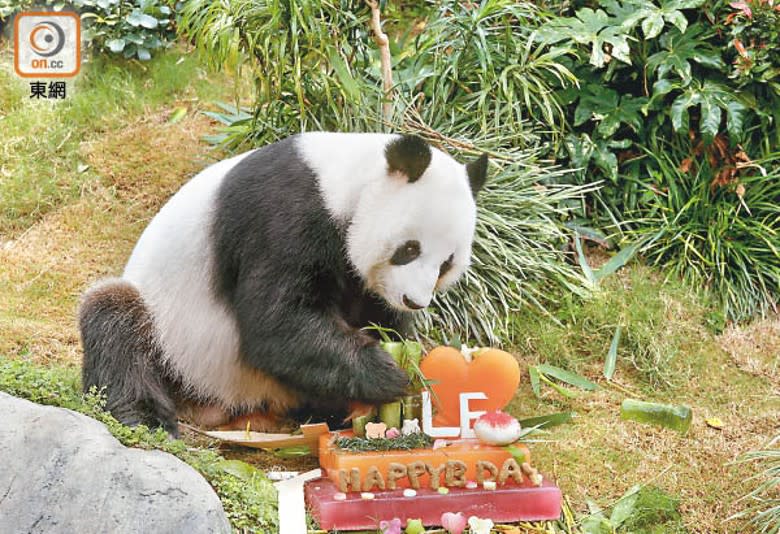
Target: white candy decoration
column 497, row 428
column 410, row 426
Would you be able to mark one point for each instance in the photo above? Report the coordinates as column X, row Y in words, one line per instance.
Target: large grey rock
column 61, row 471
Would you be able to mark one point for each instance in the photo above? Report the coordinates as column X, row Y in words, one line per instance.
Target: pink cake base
column 503, row 505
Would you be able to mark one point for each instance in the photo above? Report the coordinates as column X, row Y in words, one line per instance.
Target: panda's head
column 412, row 230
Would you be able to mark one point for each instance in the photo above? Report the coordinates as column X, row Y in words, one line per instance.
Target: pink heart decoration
column 453, row 523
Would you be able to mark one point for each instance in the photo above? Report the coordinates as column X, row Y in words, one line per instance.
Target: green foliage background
column 681, row 119
column 649, row 126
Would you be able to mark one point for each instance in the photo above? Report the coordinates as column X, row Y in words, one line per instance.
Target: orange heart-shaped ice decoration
column 491, row 371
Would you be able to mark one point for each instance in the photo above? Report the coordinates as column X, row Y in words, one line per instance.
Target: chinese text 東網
column 52, row 90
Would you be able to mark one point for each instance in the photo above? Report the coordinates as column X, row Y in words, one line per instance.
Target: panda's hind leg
column 123, row 355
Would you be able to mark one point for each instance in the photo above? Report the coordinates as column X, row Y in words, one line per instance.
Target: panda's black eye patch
column 446, row 266
column 406, row 253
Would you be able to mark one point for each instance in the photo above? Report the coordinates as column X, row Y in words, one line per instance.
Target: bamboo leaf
column 547, row 421
column 533, row 374
column 587, row 232
column 618, row 260
column 609, row 364
column 583, row 261
column 177, row 115
column 292, row 452
column 557, row 387
column 568, row 377
column 239, row 469
column 624, row 508
column 345, row 77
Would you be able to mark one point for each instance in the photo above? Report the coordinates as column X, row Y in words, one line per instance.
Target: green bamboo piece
column 413, row 352
column 396, row 350
column 411, row 407
column 676, row 417
column 390, row 414
column 359, row 424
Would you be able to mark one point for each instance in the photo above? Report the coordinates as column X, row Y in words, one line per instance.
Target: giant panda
column 248, row 290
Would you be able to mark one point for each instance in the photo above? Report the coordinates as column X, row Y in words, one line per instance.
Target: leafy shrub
column 518, row 258
column 133, row 28
column 724, row 239
column 315, row 65
column 477, row 65
column 647, row 88
column 755, row 31
column 311, row 62
column 675, row 129
column 9, row 8
column 652, row 78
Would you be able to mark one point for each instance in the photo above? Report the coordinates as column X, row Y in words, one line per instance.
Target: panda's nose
column 409, row 303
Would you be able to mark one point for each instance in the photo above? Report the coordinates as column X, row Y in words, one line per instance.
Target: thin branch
column 383, row 42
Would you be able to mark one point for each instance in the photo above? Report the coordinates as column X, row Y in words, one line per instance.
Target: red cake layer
column 506, row 504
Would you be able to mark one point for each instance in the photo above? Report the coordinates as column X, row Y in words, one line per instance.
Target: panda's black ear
column 409, row 155
column 477, row 171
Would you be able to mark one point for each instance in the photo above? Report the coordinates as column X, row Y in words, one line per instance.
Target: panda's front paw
column 378, row 379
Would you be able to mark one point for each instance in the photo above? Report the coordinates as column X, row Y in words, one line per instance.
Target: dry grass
column 49, row 265
column 599, row 456
column 755, row 348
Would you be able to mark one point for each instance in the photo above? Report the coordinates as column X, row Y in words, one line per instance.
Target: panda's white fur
column 173, row 264
column 438, row 210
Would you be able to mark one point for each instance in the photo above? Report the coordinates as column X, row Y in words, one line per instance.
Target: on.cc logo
column 47, row 38
column 47, row 44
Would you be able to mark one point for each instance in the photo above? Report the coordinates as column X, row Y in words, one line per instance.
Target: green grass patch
column 660, row 324
column 247, row 496
column 416, row 440
column 40, row 162
column 723, row 240
column 655, row 512
column 641, row 510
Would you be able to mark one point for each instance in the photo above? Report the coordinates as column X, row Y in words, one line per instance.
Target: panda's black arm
column 313, row 350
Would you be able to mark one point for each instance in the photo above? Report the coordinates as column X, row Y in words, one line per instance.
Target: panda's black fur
column 294, row 263
column 122, row 354
column 281, row 269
